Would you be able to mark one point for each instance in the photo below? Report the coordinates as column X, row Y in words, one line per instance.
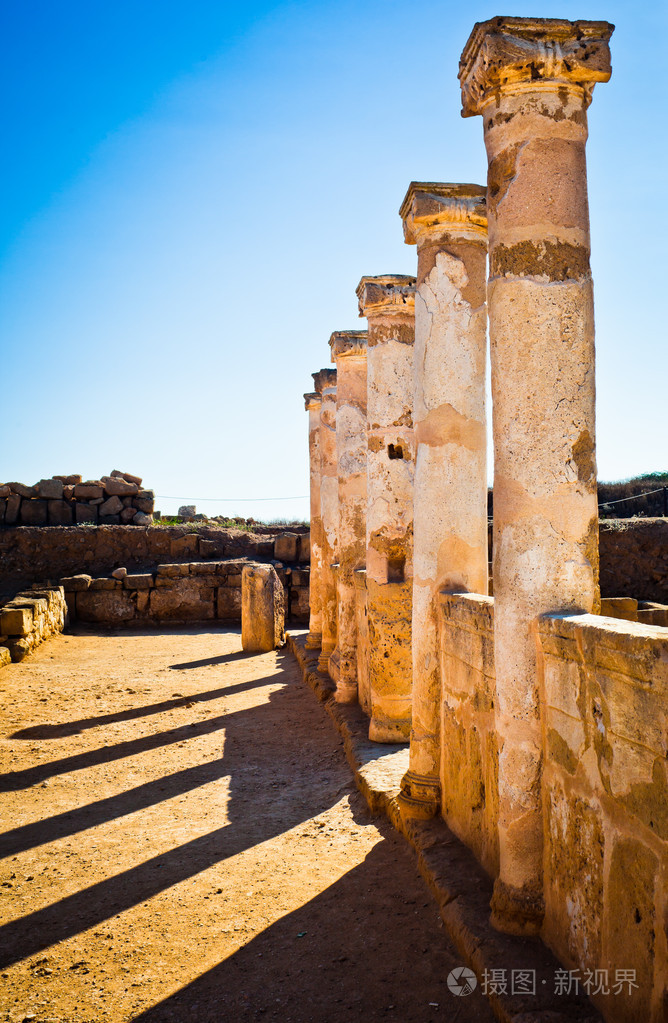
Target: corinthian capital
column 348, row 342
column 389, row 294
column 432, row 206
column 505, row 53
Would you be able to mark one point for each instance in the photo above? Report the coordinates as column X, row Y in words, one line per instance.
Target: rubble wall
column 117, row 499
column 28, row 620
column 34, row 554
column 177, row 592
column 634, row 558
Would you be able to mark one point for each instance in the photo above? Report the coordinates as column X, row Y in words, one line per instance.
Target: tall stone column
column 313, row 405
column 325, row 385
column 449, row 225
column 349, row 353
column 389, row 306
column 532, row 80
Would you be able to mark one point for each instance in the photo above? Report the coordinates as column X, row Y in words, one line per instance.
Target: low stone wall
column 29, row 619
column 634, row 559
column 605, row 795
column 179, row 592
column 603, row 686
column 68, row 500
column 30, row 554
column 469, row 754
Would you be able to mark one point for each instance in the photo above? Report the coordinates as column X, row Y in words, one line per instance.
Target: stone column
column 313, row 404
column 325, row 385
column 349, row 353
column 389, row 305
column 449, row 225
column 532, row 80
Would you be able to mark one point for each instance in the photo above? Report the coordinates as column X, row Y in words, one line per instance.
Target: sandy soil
column 182, row 840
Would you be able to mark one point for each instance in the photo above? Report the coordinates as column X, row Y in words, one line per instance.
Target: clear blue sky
column 191, row 192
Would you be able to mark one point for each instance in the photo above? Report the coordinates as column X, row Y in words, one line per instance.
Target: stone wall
column 29, row 619
column 31, row 554
column 603, row 691
column 634, row 558
column 68, row 500
column 178, row 592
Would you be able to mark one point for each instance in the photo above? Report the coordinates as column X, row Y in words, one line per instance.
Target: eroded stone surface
column 349, row 352
column 325, row 383
column 313, row 403
column 531, row 79
column 388, row 302
column 448, row 222
column 262, row 609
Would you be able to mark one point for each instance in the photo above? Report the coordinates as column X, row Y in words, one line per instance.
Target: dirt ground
column 182, row 841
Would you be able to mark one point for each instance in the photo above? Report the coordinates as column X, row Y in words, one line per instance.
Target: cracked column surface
column 349, row 353
column 448, row 222
column 388, row 303
column 532, row 81
column 325, row 385
column 313, row 405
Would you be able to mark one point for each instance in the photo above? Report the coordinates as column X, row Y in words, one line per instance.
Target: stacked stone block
column 117, row 499
column 29, row 619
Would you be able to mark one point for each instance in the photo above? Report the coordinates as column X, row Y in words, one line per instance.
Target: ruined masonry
column 536, row 716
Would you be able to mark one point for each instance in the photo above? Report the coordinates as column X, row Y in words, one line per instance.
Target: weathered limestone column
column 349, row 353
column 325, row 385
column 313, row 405
column 532, row 80
column 389, row 305
column 449, row 225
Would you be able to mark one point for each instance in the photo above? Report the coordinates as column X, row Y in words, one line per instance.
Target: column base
column 313, row 641
column 346, row 692
column 323, row 660
column 420, row 797
column 389, row 731
column 516, row 910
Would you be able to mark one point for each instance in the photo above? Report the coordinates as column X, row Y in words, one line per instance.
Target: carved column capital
column 323, row 379
column 387, row 295
column 431, row 209
column 515, row 54
column 345, row 343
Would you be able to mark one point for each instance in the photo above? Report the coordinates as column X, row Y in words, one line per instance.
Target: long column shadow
column 369, row 947
column 258, row 742
column 65, row 729
column 23, row 779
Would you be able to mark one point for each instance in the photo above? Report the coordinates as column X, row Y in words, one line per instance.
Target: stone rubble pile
column 117, row 499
